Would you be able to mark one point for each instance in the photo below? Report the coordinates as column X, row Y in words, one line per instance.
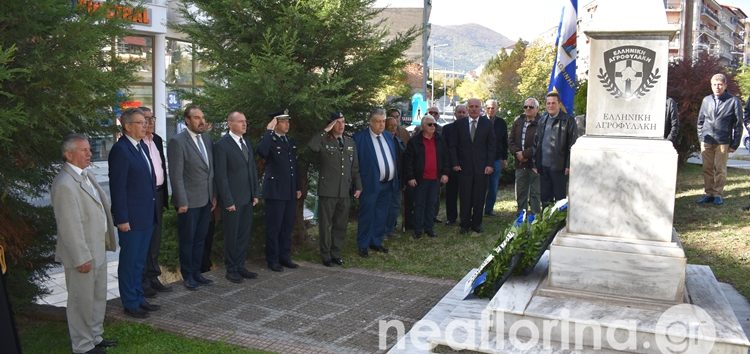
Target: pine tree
column 309, row 56
column 55, row 78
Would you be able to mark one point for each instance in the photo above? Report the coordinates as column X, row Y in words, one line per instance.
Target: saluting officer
column 339, row 172
column 281, row 189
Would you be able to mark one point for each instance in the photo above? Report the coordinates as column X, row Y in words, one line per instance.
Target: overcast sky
column 525, row 19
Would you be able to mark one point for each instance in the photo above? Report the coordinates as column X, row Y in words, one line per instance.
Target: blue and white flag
column 563, row 78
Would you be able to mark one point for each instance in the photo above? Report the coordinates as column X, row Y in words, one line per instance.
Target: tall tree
column 56, row 78
column 535, row 70
column 310, row 56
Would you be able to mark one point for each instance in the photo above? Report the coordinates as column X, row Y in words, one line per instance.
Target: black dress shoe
column 136, row 313
column 432, row 234
column 158, row 286
column 149, row 293
column 190, row 285
column 247, row 274
column 436, row 220
column 203, row 280
column 97, row 350
column 107, row 343
column 450, row 223
column 338, row 261
column 464, row 230
column 417, row 235
column 150, row 307
column 362, row 252
column 275, row 267
column 290, row 264
column 327, row 263
column 379, row 249
column 234, row 277
column 747, row 208
column 477, row 229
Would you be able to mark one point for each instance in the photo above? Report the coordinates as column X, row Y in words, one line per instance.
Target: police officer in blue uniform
column 281, row 189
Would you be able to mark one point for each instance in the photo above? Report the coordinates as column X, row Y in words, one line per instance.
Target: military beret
column 335, row 115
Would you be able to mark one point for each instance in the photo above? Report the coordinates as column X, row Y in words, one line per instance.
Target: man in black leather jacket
column 556, row 133
column 672, row 122
column 719, row 131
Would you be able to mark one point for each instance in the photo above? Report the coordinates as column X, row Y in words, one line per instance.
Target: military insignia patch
column 629, row 72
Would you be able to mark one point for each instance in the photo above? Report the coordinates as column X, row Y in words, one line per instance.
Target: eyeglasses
column 143, row 122
column 528, row 107
column 434, row 113
column 430, row 124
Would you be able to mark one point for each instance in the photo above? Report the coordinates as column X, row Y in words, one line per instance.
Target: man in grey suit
column 191, row 173
column 237, row 189
column 339, row 172
column 84, row 231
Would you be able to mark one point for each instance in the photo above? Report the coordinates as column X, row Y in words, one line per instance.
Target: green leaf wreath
column 519, row 249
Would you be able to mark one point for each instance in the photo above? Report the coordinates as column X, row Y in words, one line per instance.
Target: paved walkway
column 312, row 309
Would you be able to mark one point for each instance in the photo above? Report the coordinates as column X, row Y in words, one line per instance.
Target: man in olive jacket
column 720, row 132
column 339, row 172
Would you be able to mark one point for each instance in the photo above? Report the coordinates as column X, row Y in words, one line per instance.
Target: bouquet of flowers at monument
column 518, row 250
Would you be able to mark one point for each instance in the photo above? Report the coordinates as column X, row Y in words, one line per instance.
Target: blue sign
column 173, row 101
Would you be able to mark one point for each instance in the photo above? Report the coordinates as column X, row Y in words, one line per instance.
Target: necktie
column 473, row 130
column 145, row 158
column 283, row 138
column 341, row 142
column 385, row 161
column 243, row 147
column 88, row 183
column 202, row 148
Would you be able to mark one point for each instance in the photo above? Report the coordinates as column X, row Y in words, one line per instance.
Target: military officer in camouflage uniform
column 281, row 189
column 339, row 172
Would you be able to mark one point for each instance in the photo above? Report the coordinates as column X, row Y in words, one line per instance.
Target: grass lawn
column 51, row 337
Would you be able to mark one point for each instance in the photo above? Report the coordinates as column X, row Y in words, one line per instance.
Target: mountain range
column 469, row 45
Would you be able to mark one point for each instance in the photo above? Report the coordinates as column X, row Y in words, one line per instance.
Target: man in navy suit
column 376, row 150
column 472, row 153
column 132, row 185
column 237, row 187
column 281, row 189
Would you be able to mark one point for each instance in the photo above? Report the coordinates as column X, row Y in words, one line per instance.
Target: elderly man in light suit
column 84, row 231
column 191, row 173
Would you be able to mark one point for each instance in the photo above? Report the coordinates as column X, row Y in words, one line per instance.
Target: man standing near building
column 155, row 145
column 84, row 231
column 281, row 189
column 521, row 144
column 132, row 185
column 720, row 133
column 501, row 154
column 376, row 150
column 451, row 188
column 237, row 189
column 555, row 134
column 473, row 154
column 338, row 167
column 191, row 172
column 425, row 168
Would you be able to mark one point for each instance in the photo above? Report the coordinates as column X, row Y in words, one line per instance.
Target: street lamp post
column 432, row 67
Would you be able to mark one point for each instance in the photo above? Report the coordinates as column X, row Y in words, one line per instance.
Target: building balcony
column 705, row 11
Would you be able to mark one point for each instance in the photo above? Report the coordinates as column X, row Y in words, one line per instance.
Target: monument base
column 650, row 270
column 521, row 320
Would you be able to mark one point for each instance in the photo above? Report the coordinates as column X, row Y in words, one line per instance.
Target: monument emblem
column 629, row 71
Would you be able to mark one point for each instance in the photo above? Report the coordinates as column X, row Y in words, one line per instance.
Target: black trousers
column 8, row 333
column 473, row 192
column 451, row 197
column 237, row 225
column 553, row 185
column 152, row 271
column 279, row 224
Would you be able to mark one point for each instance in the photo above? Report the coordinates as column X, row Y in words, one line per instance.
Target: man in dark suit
column 237, row 189
column 339, row 173
column 281, row 189
column 451, row 188
column 191, row 173
column 472, row 156
column 132, row 185
column 501, row 154
column 376, row 150
column 155, row 145
column 84, row 231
